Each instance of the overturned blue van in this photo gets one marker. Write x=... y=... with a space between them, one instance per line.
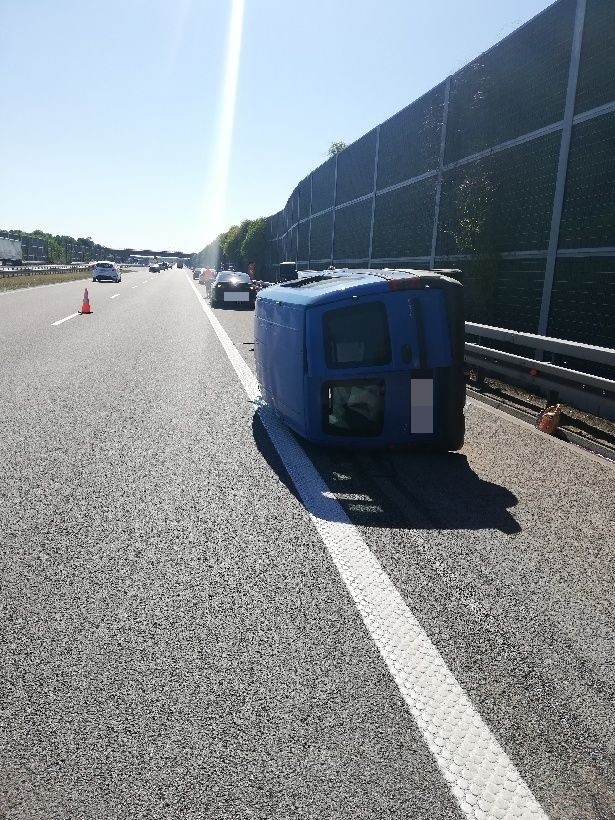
x=370 y=358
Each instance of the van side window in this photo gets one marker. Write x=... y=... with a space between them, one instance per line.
x=357 y=336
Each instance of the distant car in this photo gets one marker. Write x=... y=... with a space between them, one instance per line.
x=154 y=268
x=196 y=273
x=164 y=266
x=233 y=288
x=106 y=272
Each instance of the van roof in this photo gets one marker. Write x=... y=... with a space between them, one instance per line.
x=333 y=285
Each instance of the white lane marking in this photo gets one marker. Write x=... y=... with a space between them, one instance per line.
x=480 y=774
x=65 y=319
x=115 y=295
x=134 y=286
x=145 y=281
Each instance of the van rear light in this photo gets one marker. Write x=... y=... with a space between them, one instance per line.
x=407 y=283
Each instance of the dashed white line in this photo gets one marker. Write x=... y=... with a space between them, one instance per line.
x=115 y=295
x=481 y=776
x=134 y=286
x=65 y=319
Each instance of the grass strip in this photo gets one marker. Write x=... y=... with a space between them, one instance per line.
x=17 y=282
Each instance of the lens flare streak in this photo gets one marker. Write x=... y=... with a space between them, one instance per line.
x=221 y=160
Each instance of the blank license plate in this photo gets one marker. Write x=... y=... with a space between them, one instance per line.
x=236 y=297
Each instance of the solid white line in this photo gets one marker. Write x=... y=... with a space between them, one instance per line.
x=480 y=774
x=115 y=295
x=65 y=319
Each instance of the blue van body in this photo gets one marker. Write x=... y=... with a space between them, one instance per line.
x=368 y=358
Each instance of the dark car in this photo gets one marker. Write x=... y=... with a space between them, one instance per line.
x=233 y=288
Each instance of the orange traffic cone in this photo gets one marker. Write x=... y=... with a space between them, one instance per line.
x=85 y=307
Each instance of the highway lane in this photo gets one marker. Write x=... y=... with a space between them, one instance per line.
x=46 y=304
x=180 y=644
x=510 y=544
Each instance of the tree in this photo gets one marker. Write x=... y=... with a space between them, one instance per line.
x=231 y=243
x=336 y=148
x=254 y=246
x=474 y=233
x=238 y=246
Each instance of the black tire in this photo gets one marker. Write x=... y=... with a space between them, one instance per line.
x=454 y=437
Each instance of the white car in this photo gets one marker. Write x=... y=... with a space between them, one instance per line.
x=106 y=272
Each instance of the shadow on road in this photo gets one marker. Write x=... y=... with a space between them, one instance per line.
x=403 y=490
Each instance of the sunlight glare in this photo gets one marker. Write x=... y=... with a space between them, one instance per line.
x=215 y=207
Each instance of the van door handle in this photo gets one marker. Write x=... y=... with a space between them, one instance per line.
x=406 y=354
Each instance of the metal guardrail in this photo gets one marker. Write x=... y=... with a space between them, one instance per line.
x=587 y=391
x=30 y=270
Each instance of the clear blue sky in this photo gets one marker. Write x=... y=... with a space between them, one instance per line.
x=114 y=123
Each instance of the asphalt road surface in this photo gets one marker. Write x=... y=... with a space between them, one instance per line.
x=203 y=619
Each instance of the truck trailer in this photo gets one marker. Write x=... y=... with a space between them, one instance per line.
x=10 y=251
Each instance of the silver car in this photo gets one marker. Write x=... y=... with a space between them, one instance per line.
x=106 y=272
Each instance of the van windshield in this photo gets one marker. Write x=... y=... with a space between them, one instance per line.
x=357 y=336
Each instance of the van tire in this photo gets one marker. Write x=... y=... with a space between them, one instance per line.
x=454 y=438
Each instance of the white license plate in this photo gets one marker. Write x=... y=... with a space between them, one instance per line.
x=421 y=406
x=236 y=297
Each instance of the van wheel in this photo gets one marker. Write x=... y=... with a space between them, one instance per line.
x=454 y=438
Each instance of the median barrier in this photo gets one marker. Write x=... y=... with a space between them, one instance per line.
x=7 y=270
